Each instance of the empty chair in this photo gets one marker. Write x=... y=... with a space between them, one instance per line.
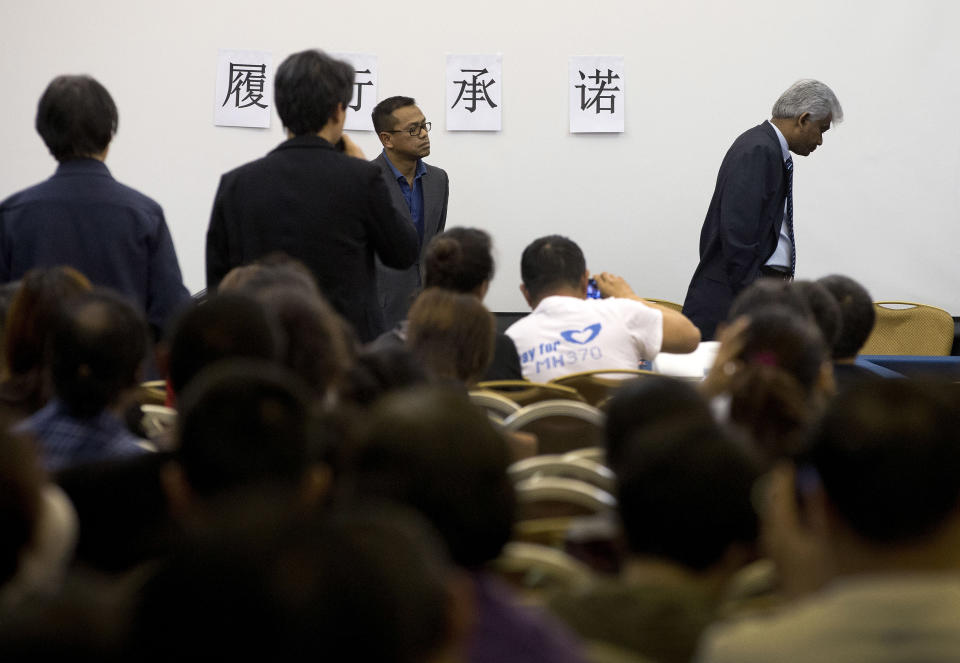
x=493 y=403
x=560 y=426
x=597 y=454
x=558 y=497
x=597 y=386
x=555 y=465
x=906 y=328
x=524 y=392
x=665 y=302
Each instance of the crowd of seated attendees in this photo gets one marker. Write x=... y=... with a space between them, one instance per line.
x=315 y=491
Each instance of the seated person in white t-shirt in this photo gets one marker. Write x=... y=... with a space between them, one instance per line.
x=568 y=333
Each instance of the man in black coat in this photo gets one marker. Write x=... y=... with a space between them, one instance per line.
x=312 y=199
x=748 y=230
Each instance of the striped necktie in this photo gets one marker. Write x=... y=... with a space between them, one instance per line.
x=788 y=164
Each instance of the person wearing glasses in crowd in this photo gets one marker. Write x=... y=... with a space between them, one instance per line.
x=418 y=190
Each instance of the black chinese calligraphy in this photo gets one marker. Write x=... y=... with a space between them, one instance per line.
x=474 y=90
x=247 y=80
x=604 y=84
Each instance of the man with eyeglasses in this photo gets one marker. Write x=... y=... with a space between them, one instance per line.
x=418 y=190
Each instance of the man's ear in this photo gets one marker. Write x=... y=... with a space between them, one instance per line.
x=584 y=281
x=386 y=138
x=526 y=295
x=803 y=119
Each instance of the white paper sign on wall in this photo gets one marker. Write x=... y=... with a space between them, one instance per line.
x=244 y=88
x=364 y=90
x=474 y=92
x=597 y=94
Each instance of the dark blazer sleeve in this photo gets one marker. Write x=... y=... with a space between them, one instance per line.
x=393 y=239
x=218 y=248
x=748 y=211
x=165 y=290
x=446 y=196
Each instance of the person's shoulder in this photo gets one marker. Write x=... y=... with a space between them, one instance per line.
x=129 y=196
x=435 y=170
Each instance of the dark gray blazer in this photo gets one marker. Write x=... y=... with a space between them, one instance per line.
x=398 y=287
x=742 y=226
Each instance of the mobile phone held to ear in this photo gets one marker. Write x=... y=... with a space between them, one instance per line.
x=593 y=292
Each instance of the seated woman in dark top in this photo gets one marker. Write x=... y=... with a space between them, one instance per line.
x=460 y=259
x=25 y=387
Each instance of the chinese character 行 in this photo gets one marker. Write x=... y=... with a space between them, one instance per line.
x=360 y=89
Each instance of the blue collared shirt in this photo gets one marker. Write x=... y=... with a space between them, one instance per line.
x=414 y=196
x=781 y=255
x=65 y=440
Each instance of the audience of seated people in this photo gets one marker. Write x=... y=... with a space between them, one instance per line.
x=461 y=259
x=274 y=522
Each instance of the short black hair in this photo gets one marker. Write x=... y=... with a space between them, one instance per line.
x=549 y=262
x=76 y=117
x=888 y=454
x=768 y=292
x=647 y=402
x=363 y=585
x=459 y=259
x=857 y=314
x=684 y=491
x=823 y=308
x=244 y=423
x=97 y=346
x=308 y=87
x=433 y=450
x=382 y=112
x=228 y=325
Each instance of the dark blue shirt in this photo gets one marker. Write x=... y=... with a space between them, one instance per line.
x=84 y=218
x=414 y=196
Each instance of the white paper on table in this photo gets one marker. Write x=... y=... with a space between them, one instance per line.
x=364 y=90
x=597 y=92
x=474 y=92
x=244 y=88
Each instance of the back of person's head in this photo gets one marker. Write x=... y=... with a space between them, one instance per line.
x=244 y=423
x=224 y=326
x=551 y=262
x=362 y=585
x=97 y=348
x=888 y=455
x=459 y=259
x=808 y=96
x=381 y=371
x=823 y=308
x=763 y=293
x=76 y=117
x=316 y=346
x=382 y=114
x=452 y=334
x=275 y=269
x=308 y=87
x=857 y=314
x=431 y=449
x=683 y=491
x=32 y=312
x=647 y=402
x=779 y=384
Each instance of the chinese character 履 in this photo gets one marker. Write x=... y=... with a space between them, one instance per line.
x=249 y=79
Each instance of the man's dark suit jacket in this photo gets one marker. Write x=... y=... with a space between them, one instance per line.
x=398 y=287
x=742 y=226
x=84 y=218
x=318 y=205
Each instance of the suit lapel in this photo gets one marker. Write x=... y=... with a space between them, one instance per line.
x=432 y=201
x=396 y=197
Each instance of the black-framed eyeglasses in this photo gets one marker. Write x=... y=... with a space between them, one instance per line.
x=414 y=130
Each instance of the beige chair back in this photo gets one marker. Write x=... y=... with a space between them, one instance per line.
x=906 y=328
x=524 y=392
x=598 y=386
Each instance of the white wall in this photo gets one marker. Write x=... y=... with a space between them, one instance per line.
x=879 y=201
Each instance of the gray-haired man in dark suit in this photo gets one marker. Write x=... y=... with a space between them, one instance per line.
x=419 y=193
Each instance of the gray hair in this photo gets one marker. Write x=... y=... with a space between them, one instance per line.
x=808 y=96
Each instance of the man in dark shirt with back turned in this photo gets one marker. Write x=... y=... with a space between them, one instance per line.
x=84 y=218
x=310 y=200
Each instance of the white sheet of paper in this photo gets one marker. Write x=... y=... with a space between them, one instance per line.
x=244 y=88
x=474 y=92
x=597 y=93
x=364 y=90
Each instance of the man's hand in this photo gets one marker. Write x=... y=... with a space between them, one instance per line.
x=611 y=285
x=351 y=149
